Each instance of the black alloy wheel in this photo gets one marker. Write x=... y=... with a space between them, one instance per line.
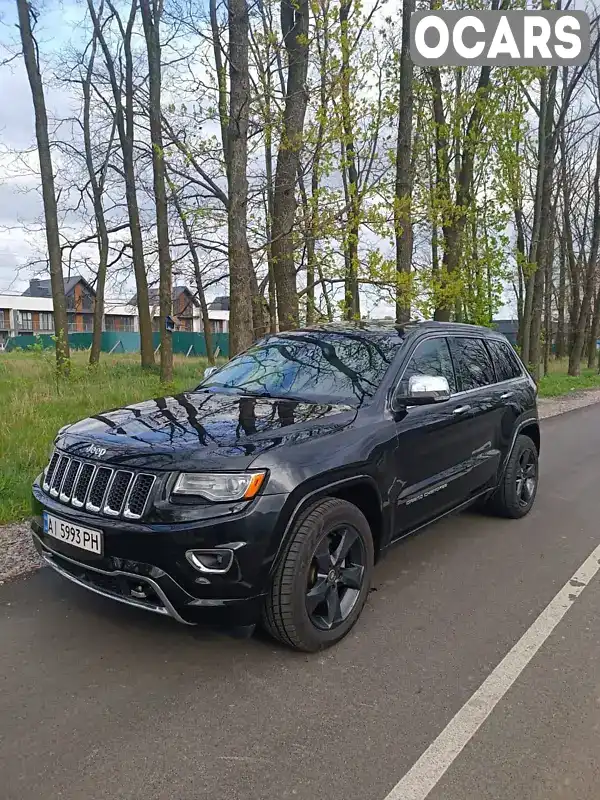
x=335 y=577
x=322 y=578
x=526 y=477
x=518 y=485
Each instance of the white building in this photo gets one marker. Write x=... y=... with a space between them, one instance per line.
x=31 y=313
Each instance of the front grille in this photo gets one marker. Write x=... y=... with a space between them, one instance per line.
x=100 y=489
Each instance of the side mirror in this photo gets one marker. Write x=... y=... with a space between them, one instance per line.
x=209 y=371
x=421 y=390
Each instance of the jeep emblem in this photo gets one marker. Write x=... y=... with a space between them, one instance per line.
x=93 y=450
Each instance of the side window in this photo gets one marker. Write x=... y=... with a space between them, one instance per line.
x=432 y=357
x=472 y=363
x=506 y=364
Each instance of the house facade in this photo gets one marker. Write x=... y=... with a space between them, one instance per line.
x=32 y=312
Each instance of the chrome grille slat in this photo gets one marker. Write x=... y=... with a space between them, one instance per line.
x=50 y=470
x=117 y=492
x=82 y=486
x=58 y=476
x=97 y=488
x=142 y=485
x=71 y=475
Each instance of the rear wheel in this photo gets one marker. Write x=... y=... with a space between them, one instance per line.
x=515 y=495
x=320 y=585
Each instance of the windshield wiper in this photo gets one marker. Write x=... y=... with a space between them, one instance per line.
x=255 y=392
x=236 y=388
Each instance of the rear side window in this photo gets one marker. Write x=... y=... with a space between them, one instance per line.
x=432 y=357
x=472 y=363
x=505 y=362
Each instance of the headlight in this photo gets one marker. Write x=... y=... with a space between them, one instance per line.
x=220 y=486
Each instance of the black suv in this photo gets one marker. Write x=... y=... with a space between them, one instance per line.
x=268 y=492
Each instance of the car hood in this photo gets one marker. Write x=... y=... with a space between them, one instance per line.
x=196 y=430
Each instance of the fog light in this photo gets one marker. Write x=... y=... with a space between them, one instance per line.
x=214 y=561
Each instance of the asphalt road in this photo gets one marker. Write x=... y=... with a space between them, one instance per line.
x=101 y=701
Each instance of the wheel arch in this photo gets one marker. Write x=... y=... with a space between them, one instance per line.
x=528 y=427
x=360 y=490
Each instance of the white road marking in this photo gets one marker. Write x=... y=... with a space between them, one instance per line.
x=431 y=766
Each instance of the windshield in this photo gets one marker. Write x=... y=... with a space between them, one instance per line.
x=317 y=367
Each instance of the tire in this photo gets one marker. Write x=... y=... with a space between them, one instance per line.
x=514 y=497
x=306 y=568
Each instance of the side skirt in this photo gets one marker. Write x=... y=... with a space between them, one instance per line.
x=455 y=510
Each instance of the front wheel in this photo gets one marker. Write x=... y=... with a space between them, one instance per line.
x=515 y=495
x=320 y=585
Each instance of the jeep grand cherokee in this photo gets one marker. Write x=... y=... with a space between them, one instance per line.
x=268 y=491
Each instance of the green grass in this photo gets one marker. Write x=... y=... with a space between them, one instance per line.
x=33 y=406
x=557 y=382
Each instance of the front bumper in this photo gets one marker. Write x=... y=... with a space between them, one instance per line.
x=145 y=566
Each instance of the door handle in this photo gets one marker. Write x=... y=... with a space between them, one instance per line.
x=506 y=395
x=461 y=409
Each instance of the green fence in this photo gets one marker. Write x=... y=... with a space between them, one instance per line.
x=192 y=344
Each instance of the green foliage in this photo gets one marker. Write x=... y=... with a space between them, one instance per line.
x=557 y=382
x=35 y=405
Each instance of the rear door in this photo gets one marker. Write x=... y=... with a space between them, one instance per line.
x=480 y=409
x=513 y=393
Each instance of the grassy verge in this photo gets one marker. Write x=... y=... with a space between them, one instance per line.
x=557 y=382
x=33 y=406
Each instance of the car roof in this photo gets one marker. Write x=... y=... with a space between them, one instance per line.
x=375 y=327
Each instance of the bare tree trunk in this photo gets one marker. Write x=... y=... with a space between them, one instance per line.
x=594 y=331
x=309 y=239
x=241 y=318
x=221 y=80
x=533 y=265
x=270 y=203
x=561 y=302
x=590 y=279
x=521 y=258
x=30 y=56
x=294 y=25
x=269 y=124
x=542 y=218
x=198 y=276
x=548 y=312
x=151 y=13
x=349 y=166
x=96 y=178
x=568 y=243
x=234 y=127
x=404 y=176
x=126 y=128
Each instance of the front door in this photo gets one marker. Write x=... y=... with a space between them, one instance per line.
x=445 y=451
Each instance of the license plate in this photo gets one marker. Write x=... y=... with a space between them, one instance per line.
x=84 y=538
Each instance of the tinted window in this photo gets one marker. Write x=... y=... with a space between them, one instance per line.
x=340 y=367
x=505 y=362
x=432 y=357
x=472 y=363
